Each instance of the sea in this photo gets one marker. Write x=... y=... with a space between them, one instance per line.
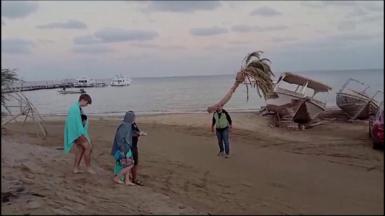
x=188 y=94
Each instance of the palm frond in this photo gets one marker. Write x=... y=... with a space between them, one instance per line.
x=258 y=69
x=256 y=54
x=8 y=76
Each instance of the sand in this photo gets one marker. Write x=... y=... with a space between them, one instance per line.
x=328 y=169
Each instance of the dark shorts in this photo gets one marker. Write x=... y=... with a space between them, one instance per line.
x=81 y=139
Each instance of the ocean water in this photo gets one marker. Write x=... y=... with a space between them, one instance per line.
x=186 y=94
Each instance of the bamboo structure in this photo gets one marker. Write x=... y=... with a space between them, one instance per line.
x=25 y=108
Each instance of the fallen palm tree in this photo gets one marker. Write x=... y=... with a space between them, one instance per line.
x=300 y=106
x=255 y=72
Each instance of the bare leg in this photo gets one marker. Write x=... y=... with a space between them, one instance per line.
x=123 y=172
x=82 y=150
x=85 y=163
x=134 y=172
x=78 y=151
x=127 y=179
x=87 y=156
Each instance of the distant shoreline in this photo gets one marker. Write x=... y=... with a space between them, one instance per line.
x=162 y=113
x=277 y=72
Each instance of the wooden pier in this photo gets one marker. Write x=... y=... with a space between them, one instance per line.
x=50 y=84
x=31 y=87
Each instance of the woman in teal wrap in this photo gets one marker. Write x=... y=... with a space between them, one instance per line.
x=76 y=138
x=121 y=149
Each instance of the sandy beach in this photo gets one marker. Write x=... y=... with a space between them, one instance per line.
x=329 y=169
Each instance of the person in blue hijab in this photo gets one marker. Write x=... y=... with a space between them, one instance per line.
x=121 y=150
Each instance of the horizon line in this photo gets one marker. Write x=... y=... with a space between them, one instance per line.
x=208 y=75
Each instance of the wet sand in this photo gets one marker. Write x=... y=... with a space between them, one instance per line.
x=324 y=170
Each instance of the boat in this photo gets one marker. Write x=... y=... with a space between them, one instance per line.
x=297 y=98
x=99 y=84
x=354 y=100
x=64 y=91
x=120 y=80
x=84 y=82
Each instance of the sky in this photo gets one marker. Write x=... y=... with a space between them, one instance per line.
x=46 y=40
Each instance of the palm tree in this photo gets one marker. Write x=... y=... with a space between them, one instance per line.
x=7 y=78
x=258 y=73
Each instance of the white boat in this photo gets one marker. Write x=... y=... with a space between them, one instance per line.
x=64 y=91
x=121 y=80
x=84 y=82
x=355 y=101
x=297 y=98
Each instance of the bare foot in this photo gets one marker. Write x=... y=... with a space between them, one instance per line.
x=76 y=171
x=129 y=183
x=117 y=180
x=91 y=171
x=220 y=154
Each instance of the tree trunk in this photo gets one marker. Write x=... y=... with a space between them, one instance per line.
x=225 y=99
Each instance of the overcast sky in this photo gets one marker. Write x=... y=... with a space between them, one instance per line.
x=68 y=39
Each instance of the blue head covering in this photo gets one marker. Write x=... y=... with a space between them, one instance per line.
x=123 y=136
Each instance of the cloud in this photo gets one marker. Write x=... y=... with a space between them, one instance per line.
x=316 y=56
x=70 y=24
x=18 y=9
x=315 y=4
x=88 y=39
x=16 y=46
x=357 y=12
x=183 y=6
x=339 y=3
x=334 y=42
x=92 y=49
x=152 y=46
x=265 y=11
x=372 y=19
x=321 y=4
x=365 y=13
x=45 y=41
x=208 y=31
x=111 y=35
x=248 y=28
x=119 y=35
x=243 y=28
x=346 y=25
x=283 y=39
x=376 y=6
x=144 y=45
x=238 y=42
x=353 y=37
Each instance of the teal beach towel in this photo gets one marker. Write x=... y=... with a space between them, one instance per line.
x=73 y=128
x=118 y=166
